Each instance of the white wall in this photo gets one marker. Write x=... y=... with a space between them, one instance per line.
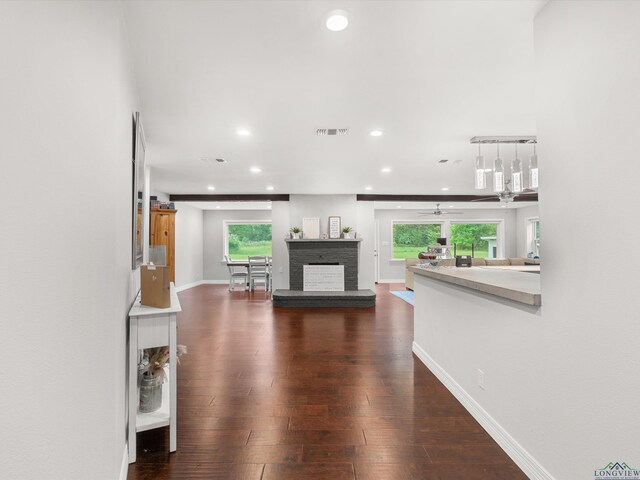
x=394 y=269
x=280 y=227
x=324 y=206
x=523 y=220
x=214 y=266
x=66 y=100
x=189 y=253
x=358 y=215
x=366 y=226
x=586 y=348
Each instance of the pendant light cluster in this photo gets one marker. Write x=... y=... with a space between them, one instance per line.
x=506 y=176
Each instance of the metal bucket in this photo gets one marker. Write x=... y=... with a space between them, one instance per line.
x=150 y=393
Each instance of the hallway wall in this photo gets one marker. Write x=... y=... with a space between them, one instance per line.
x=67 y=95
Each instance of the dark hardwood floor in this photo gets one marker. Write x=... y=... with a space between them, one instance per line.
x=331 y=394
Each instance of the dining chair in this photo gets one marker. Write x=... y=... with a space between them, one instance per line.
x=235 y=274
x=258 y=272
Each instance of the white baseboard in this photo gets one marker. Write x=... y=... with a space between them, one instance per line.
x=124 y=466
x=392 y=280
x=201 y=282
x=529 y=465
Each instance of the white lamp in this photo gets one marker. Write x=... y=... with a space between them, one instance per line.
x=481 y=175
x=498 y=173
x=533 y=169
x=516 y=174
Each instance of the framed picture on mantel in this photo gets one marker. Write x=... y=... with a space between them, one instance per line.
x=311 y=228
x=334 y=227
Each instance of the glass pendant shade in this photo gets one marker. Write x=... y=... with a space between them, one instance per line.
x=516 y=176
x=533 y=171
x=498 y=175
x=481 y=175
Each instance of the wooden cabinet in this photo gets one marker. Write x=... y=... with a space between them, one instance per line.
x=163 y=232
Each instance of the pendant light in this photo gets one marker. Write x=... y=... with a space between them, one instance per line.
x=533 y=169
x=516 y=174
x=481 y=175
x=498 y=172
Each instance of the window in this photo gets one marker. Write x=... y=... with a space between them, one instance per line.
x=483 y=237
x=243 y=239
x=534 y=237
x=409 y=239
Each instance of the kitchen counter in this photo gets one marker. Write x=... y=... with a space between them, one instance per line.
x=518 y=286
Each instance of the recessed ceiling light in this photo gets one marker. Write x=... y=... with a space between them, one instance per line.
x=399 y=206
x=255 y=169
x=217 y=206
x=385 y=170
x=270 y=187
x=503 y=206
x=451 y=206
x=368 y=188
x=445 y=189
x=375 y=133
x=244 y=132
x=337 y=21
x=211 y=187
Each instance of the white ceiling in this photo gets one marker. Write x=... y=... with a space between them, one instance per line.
x=430 y=74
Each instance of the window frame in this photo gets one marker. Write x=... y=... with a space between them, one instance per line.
x=532 y=245
x=412 y=222
x=225 y=233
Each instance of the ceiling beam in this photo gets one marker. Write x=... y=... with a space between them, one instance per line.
x=280 y=197
x=440 y=198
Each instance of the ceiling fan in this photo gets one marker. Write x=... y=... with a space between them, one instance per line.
x=438 y=213
x=507 y=195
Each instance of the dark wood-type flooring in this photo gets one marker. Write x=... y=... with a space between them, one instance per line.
x=276 y=394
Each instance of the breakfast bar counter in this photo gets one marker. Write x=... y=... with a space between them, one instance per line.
x=522 y=286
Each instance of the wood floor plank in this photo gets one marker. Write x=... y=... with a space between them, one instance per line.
x=333 y=471
x=311 y=394
x=303 y=437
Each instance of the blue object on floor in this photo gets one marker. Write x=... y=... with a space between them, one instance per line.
x=406 y=295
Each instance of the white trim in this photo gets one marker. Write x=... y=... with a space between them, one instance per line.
x=391 y=280
x=188 y=286
x=182 y=288
x=529 y=465
x=225 y=231
x=124 y=466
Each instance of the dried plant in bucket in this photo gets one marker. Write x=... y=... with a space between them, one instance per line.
x=152 y=370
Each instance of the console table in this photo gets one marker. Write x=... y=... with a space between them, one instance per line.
x=153 y=327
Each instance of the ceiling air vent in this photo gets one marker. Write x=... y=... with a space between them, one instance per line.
x=332 y=131
x=221 y=160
